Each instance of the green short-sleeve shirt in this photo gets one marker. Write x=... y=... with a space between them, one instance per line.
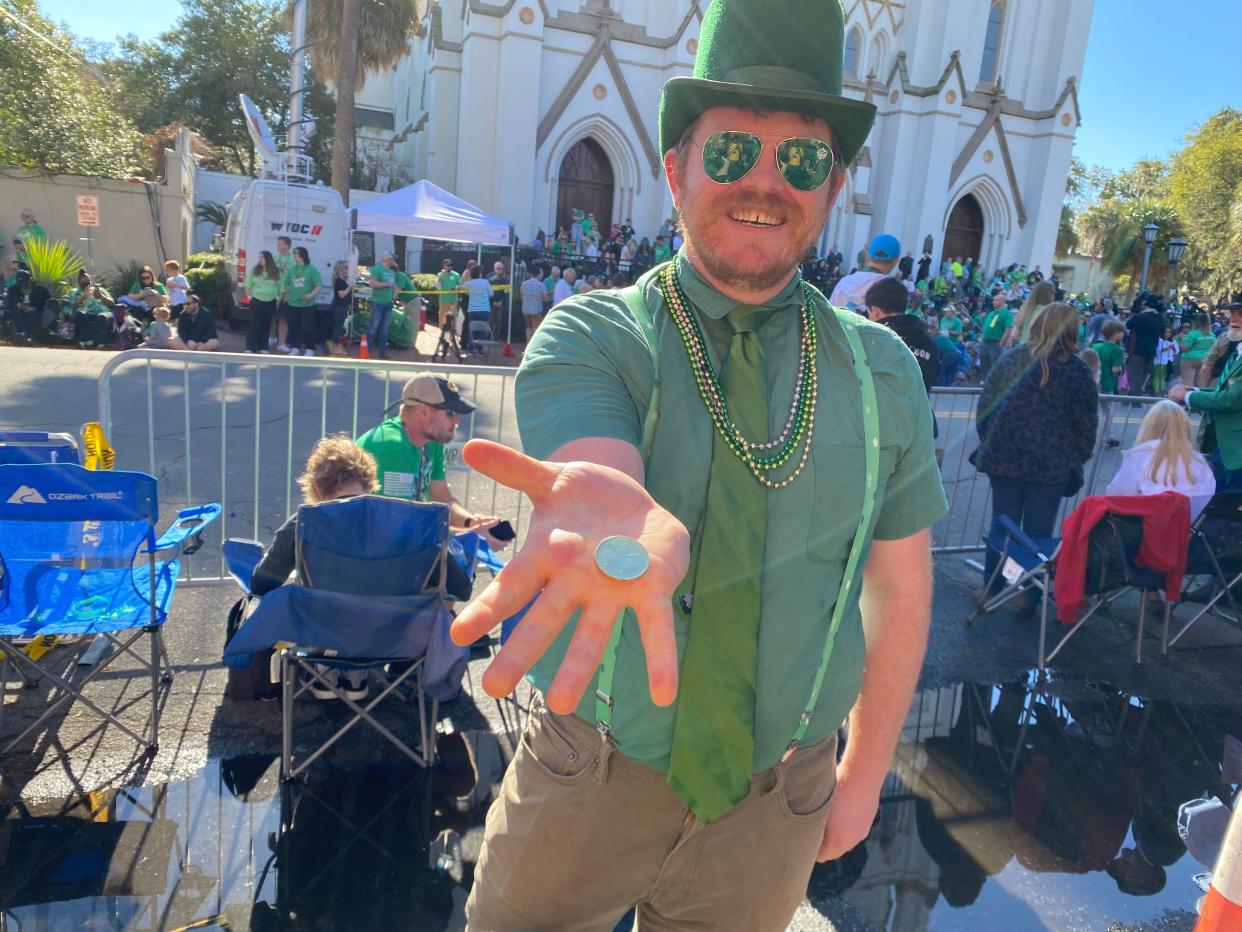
x=299 y=282
x=952 y=327
x=262 y=287
x=382 y=294
x=1112 y=358
x=450 y=281
x=404 y=470
x=588 y=373
x=996 y=323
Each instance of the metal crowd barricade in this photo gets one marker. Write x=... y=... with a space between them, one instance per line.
x=237 y=429
x=969 y=494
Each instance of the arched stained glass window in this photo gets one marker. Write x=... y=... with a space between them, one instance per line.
x=991 y=42
x=853 y=46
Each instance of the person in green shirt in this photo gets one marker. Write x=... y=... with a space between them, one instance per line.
x=29 y=230
x=734 y=568
x=90 y=308
x=284 y=262
x=10 y=273
x=382 y=281
x=1195 y=347
x=146 y=294
x=662 y=250
x=448 y=281
x=951 y=326
x=301 y=285
x=1112 y=357
x=263 y=287
x=997 y=332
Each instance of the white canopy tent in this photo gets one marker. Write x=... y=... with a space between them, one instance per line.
x=426 y=211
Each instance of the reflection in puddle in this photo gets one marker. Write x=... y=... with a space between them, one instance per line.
x=1016 y=806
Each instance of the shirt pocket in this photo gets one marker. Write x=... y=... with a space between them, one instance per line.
x=840 y=483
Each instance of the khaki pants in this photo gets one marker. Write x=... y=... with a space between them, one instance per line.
x=581 y=833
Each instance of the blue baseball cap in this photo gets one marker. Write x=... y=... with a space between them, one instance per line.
x=885 y=248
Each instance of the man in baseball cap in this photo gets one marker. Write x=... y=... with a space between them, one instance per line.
x=883 y=254
x=409 y=445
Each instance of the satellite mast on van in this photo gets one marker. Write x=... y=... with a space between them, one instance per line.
x=260 y=133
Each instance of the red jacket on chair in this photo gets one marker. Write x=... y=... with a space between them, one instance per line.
x=1166 y=539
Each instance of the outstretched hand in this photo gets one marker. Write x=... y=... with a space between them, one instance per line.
x=576 y=505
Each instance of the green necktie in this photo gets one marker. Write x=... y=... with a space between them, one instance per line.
x=713 y=734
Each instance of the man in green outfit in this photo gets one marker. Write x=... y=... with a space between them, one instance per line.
x=727 y=561
x=408 y=448
x=997 y=333
x=28 y=231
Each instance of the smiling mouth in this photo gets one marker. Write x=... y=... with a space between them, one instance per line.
x=756 y=219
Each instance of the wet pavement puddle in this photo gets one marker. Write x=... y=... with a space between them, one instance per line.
x=1024 y=805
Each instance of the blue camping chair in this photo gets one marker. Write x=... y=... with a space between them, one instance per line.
x=370 y=592
x=36 y=446
x=72 y=549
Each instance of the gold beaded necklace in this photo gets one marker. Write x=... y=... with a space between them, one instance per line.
x=762 y=458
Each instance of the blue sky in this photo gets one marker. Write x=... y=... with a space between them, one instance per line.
x=1154 y=70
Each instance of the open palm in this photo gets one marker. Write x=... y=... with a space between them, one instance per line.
x=576 y=505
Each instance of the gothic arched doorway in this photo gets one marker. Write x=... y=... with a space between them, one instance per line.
x=585 y=184
x=964 y=234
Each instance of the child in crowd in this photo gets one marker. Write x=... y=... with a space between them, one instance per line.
x=125 y=329
x=1112 y=358
x=159 y=334
x=1166 y=356
x=177 y=285
x=1092 y=359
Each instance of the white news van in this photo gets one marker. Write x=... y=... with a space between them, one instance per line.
x=283 y=202
x=312 y=216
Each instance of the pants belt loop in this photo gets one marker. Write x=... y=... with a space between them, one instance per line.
x=605 y=754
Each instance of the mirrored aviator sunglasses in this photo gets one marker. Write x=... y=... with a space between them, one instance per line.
x=804 y=161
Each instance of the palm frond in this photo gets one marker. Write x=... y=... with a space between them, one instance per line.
x=54 y=264
x=384 y=33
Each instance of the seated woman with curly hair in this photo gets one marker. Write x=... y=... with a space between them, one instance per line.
x=336 y=469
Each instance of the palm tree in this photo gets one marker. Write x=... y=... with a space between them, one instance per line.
x=213 y=212
x=349 y=38
x=1113 y=230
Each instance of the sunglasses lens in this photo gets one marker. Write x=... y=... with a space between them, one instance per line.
x=727 y=157
x=804 y=162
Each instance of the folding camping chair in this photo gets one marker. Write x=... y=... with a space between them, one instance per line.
x=33 y=446
x=1027 y=564
x=370 y=592
x=1215 y=552
x=69 y=542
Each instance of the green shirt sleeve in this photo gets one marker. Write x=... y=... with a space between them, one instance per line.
x=579 y=376
x=435 y=453
x=914 y=496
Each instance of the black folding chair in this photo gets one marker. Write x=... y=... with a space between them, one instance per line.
x=1215 y=552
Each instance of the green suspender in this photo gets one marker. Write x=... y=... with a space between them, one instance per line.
x=608 y=665
x=871 y=433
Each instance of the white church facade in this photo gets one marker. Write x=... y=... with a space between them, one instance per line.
x=529 y=108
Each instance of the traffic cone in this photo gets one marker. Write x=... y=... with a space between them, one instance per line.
x=1222 y=908
x=363 y=352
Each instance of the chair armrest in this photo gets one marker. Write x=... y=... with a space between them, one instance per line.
x=189 y=524
x=241 y=556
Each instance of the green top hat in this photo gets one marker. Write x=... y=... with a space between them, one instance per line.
x=770 y=55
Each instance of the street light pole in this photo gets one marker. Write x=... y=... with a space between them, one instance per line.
x=1149 y=237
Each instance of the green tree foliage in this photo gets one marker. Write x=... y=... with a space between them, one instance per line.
x=194 y=72
x=56 y=114
x=1205 y=187
x=1112 y=228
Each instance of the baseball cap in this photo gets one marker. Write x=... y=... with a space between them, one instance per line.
x=427 y=389
x=885 y=247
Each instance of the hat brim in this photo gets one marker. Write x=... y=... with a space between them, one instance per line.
x=685 y=99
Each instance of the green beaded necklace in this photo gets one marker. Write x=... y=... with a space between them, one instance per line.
x=766 y=457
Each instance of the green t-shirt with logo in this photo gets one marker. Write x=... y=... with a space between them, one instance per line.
x=284 y=261
x=449 y=281
x=403 y=469
x=382 y=294
x=298 y=283
x=996 y=323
